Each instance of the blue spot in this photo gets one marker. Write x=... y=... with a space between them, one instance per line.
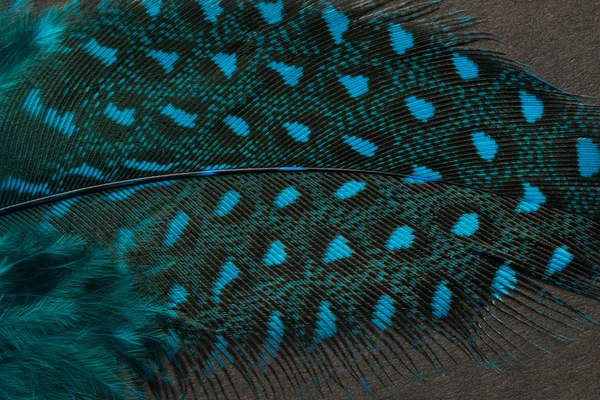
x=297 y=131
x=229 y=272
x=272 y=13
x=166 y=60
x=106 y=55
x=560 y=259
x=355 y=85
x=422 y=110
x=227 y=203
x=152 y=7
x=588 y=155
x=237 y=125
x=532 y=199
x=337 y=23
x=338 y=249
x=275 y=255
x=123 y=117
x=178 y=294
x=402 y=40
x=211 y=9
x=349 y=189
x=361 y=146
x=21 y=187
x=150 y=166
x=383 y=313
x=286 y=197
x=60 y=209
x=274 y=335
x=124 y=241
x=291 y=74
x=401 y=238
x=422 y=175
x=180 y=117
x=325 y=322
x=87 y=171
x=33 y=103
x=62 y=123
x=226 y=63
x=531 y=106
x=441 y=301
x=504 y=281
x=466 y=68
x=485 y=145
x=467 y=225
x=176 y=228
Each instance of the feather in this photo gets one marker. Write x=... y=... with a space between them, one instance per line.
x=313 y=195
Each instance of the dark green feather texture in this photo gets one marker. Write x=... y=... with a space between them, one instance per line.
x=258 y=198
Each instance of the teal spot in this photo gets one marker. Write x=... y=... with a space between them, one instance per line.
x=422 y=110
x=441 y=301
x=33 y=103
x=124 y=241
x=290 y=74
x=123 y=117
x=275 y=330
x=227 y=203
x=166 y=60
x=355 y=85
x=337 y=23
x=147 y=165
x=465 y=67
x=338 y=249
x=106 y=55
x=176 y=228
x=361 y=146
x=20 y=186
x=588 y=156
x=531 y=106
x=63 y=123
x=152 y=7
x=485 y=145
x=229 y=273
x=467 y=225
x=402 y=40
x=532 y=199
x=349 y=189
x=559 y=260
x=286 y=197
x=227 y=63
x=275 y=255
x=237 y=125
x=422 y=175
x=87 y=171
x=401 y=238
x=211 y=9
x=297 y=131
x=180 y=117
x=505 y=281
x=326 y=327
x=178 y=294
x=272 y=13
x=383 y=312
x=61 y=208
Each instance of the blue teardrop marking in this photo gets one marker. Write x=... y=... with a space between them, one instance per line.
x=297 y=131
x=422 y=110
x=272 y=13
x=178 y=294
x=466 y=225
x=401 y=39
x=588 y=157
x=106 y=55
x=152 y=7
x=290 y=74
x=286 y=197
x=229 y=272
x=349 y=189
x=326 y=326
x=237 y=125
x=179 y=116
x=211 y=9
x=227 y=203
x=165 y=59
x=124 y=117
x=383 y=312
x=465 y=67
x=176 y=227
x=531 y=107
x=485 y=145
x=87 y=171
x=276 y=254
x=422 y=175
x=532 y=199
x=64 y=123
x=560 y=259
x=361 y=146
x=274 y=335
x=441 y=300
x=355 y=85
x=338 y=249
x=505 y=281
x=227 y=63
x=337 y=23
x=401 y=238
x=33 y=103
